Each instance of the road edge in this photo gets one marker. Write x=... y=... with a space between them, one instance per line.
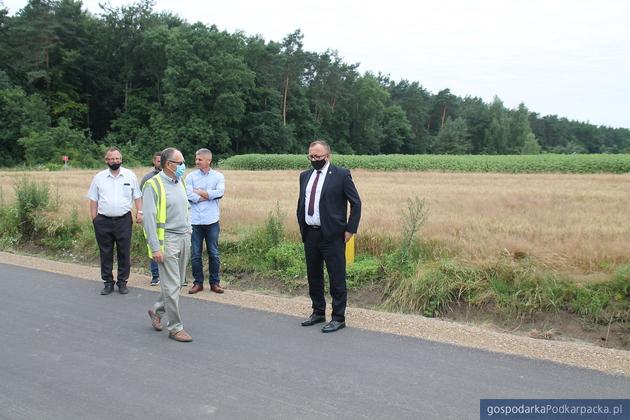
x=582 y=355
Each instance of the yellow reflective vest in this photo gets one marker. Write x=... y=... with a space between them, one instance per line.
x=160 y=216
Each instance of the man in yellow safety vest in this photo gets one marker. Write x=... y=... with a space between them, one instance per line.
x=167 y=230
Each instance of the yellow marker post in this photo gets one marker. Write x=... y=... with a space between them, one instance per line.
x=350 y=251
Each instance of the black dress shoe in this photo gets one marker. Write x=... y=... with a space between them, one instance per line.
x=122 y=289
x=313 y=319
x=333 y=326
x=107 y=290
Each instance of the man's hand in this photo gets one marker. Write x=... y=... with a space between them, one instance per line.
x=158 y=256
x=203 y=194
x=348 y=236
x=139 y=218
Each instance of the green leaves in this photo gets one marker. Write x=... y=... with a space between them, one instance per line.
x=50 y=145
x=448 y=163
x=145 y=80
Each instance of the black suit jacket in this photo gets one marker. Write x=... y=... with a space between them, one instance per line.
x=338 y=190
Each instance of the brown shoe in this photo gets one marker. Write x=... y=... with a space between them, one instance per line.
x=195 y=289
x=181 y=336
x=216 y=288
x=155 y=320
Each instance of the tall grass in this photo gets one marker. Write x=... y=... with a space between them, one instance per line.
x=417 y=276
x=31 y=198
x=576 y=224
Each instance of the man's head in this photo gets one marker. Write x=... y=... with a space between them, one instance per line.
x=203 y=159
x=157 y=158
x=319 y=153
x=113 y=158
x=170 y=160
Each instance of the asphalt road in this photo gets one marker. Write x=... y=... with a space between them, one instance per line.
x=67 y=352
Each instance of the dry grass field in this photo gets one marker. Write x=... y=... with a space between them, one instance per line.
x=572 y=223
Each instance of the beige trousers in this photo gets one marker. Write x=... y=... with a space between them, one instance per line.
x=172 y=276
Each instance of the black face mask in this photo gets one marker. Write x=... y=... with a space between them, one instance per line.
x=114 y=166
x=318 y=164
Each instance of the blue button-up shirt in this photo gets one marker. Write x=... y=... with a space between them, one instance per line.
x=205 y=212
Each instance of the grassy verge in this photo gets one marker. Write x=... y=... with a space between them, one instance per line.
x=411 y=275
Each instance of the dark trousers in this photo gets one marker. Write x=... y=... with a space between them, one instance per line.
x=333 y=253
x=210 y=235
x=155 y=271
x=110 y=231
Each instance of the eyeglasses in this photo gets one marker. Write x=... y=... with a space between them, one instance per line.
x=314 y=158
x=176 y=162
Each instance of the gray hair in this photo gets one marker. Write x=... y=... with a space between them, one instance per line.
x=166 y=155
x=321 y=143
x=204 y=151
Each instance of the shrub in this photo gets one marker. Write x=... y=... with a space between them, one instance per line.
x=31 y=197
x=57 y=233
x=413 y=218
x=49 y=145
x=590 y=302
x=365 y=270
x=287 y=257
x=9 y=232
x=433 y=289
x=274 y=228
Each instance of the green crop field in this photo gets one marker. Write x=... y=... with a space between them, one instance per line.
x=600 y=163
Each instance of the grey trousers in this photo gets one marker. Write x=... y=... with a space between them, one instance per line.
x=172 y=276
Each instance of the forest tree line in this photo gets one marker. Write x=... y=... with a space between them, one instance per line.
x=72 y=82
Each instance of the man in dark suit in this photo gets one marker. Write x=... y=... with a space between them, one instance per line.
x=322 y=208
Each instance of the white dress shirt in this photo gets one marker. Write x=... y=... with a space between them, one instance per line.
x=314 y=219
x=114 y=194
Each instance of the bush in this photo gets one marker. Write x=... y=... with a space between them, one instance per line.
x=9 y=232
x=31 y=197
x=274 y=228
x=604 y=302
x=432 y=290
x=364 y=271
x=287 y=257
x=51 y=144
x=57 y=233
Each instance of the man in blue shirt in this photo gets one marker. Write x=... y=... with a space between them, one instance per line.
x=205 y=187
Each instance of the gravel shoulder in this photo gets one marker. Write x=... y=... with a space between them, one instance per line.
x=578 y=354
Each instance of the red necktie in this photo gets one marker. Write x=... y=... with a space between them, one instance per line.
x=311 y=202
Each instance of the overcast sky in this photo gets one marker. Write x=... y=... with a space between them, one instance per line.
x=564 y=57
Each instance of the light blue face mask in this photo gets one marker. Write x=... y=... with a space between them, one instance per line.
x=180 y=170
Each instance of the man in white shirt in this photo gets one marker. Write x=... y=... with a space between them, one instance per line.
x=112 y=194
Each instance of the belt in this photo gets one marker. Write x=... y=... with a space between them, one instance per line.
x=314 y=227
x=114 y=217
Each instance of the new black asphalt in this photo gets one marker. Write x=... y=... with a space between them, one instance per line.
x=67 y=352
